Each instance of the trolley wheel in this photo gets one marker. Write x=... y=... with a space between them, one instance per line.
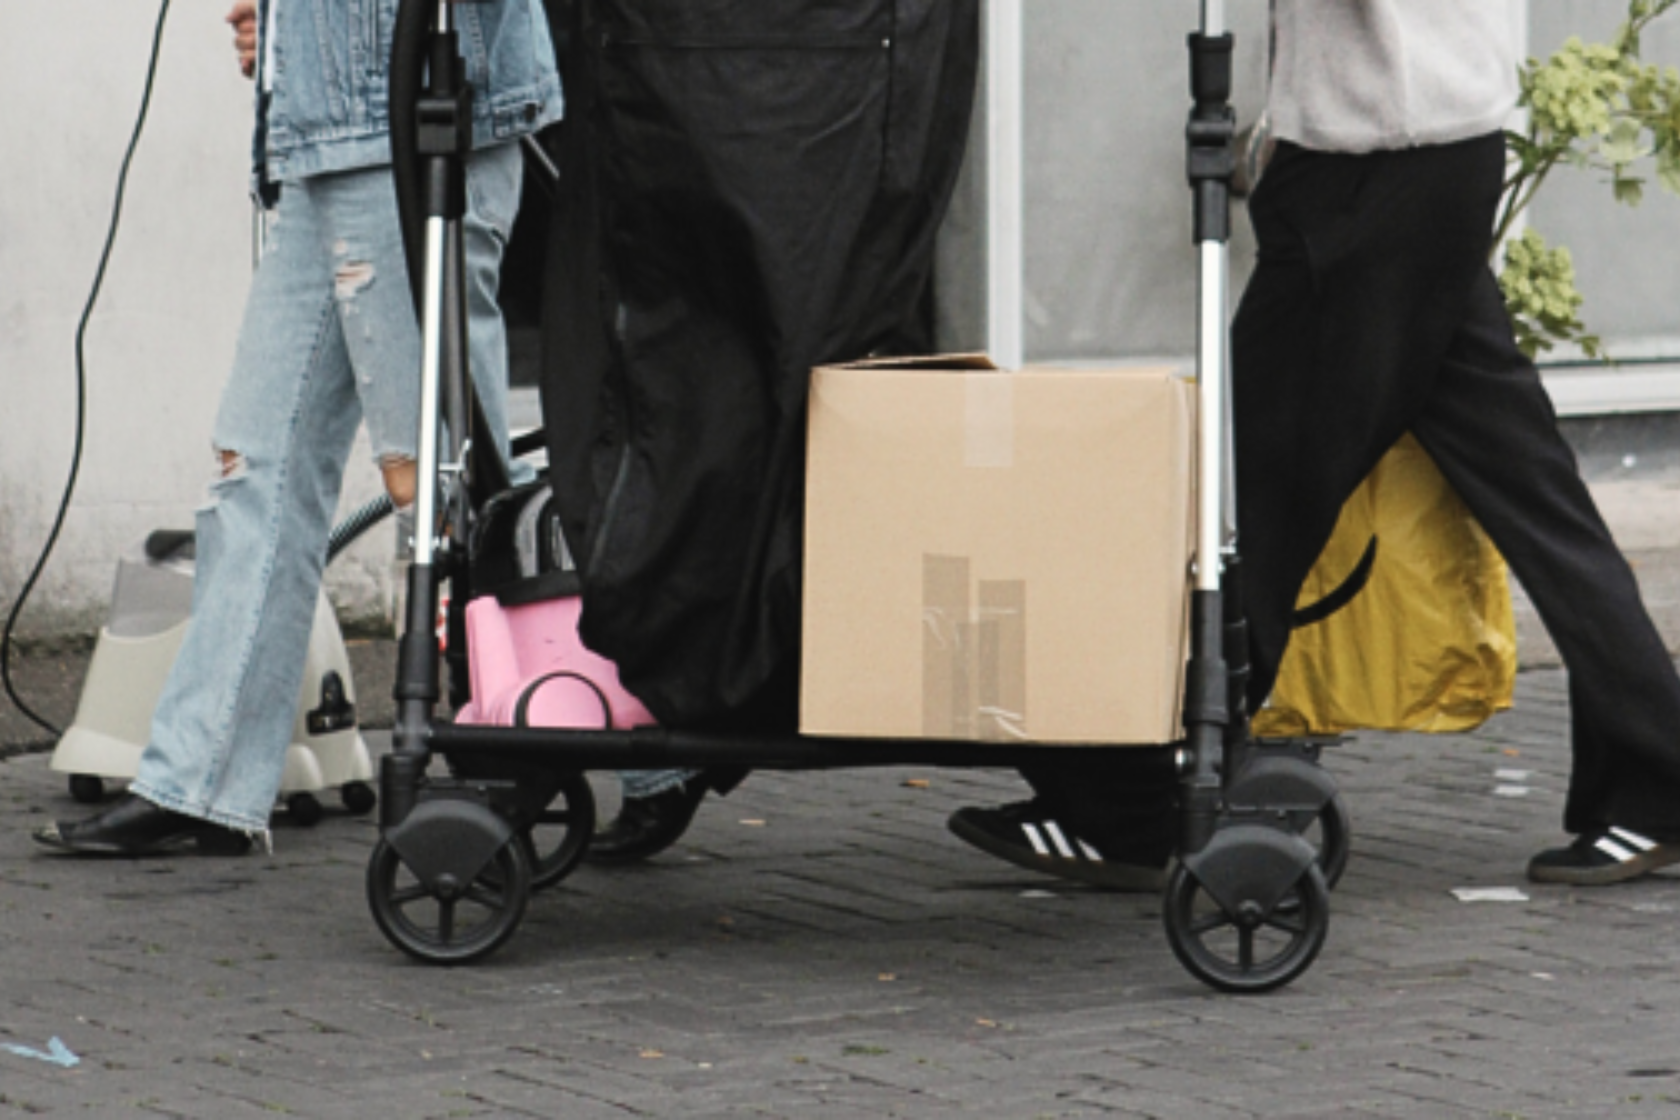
x=305 y=809
x=1248 y=951
x=555 y=844
x=452 y=926
x=358 y=798
x=1330 y=832
x=561 y=833
x=89 y=789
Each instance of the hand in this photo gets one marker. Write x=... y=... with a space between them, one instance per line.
x=243 y=18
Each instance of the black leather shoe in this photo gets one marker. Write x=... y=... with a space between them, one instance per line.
x=646 y=826
x=133 y=826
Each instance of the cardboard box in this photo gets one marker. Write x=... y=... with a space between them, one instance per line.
x=997 y=556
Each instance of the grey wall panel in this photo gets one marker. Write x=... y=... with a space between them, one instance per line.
x=1109 y=264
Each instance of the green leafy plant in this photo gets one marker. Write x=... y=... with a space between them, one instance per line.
x=1595 y=106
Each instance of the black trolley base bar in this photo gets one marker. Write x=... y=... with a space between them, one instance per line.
x=655 y=748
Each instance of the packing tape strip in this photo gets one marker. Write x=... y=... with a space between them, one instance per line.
x=989 y=420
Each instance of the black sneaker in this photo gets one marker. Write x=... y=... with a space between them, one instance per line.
x=1028 y=835
x=646 y=826
x=1597 y=859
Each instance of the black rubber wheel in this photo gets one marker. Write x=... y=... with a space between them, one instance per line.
x=305 y=809
x=555 y=844
x=358 y=798
x=455 y=929
x=1330 y=832
x=561 y=833
x=1246 y=952
x=89 y=789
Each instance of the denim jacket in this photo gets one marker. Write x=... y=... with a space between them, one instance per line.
x=328 y=107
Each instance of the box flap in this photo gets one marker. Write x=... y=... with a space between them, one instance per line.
x=975 y=361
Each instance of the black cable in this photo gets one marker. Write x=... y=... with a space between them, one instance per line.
x=81 y=384
x=361 y=519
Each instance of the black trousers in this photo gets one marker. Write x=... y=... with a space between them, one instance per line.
x=1372 y=312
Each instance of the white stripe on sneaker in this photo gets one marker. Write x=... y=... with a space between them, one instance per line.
x=1633 y=838
x=1612 y=849
x=1036 y=840
x=1090 y=852
x=1059 y=840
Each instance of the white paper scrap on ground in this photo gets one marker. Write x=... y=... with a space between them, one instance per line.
x=1510 y=791
x=1512 y=775
x=1489 y=894
x=56 y=1052
x=1040 y=894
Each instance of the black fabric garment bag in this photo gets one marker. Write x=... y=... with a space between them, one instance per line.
x=748 y=189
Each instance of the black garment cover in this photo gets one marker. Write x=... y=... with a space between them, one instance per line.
x=748 y=190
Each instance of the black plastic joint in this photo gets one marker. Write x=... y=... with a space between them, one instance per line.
x=1211 y=152
x=1210 y=67
x=445 y=123
x=400 y=777
x=1206 y=693
x=417 y=675
x=417 y=652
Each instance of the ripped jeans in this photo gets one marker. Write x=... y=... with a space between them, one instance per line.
x=329 y=339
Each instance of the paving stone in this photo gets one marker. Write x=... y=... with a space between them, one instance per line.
x=741 y=974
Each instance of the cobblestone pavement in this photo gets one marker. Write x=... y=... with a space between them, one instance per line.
x=819 y=947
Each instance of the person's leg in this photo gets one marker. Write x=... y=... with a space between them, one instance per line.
x=287 y=417
x=1110 y=822
x=1491 y=429
x=494 y=178
x=639 y=785
x=1366 y=264
x=1365 y=272
x=656 y=810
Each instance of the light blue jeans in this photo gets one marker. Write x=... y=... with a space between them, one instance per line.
x=329 y=339
x=647 y=783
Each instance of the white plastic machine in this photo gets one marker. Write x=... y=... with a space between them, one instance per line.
x=150 y=607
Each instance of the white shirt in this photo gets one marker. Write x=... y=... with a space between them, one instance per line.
x=1364 y=75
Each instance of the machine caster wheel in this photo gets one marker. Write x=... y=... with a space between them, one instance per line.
x=1329 y=831
x=304 y=809
x=89 y=789
x=1249 y=951
x=358 y=798
x=453 y=924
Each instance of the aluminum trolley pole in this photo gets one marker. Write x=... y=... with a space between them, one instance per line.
x=445 y=137
x=1208 y=699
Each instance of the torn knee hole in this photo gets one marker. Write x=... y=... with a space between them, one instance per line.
x=231 y=464
x=352 y=277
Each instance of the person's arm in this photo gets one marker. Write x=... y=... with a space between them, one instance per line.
x=243 y=19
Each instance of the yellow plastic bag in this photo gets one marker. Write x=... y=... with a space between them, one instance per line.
x=1429 y=644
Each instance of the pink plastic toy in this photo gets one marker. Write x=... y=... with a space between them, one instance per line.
x=528 y=668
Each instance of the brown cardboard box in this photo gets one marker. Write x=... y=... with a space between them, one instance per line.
x=997 y=556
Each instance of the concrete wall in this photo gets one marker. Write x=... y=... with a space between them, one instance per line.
x=158 y=347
